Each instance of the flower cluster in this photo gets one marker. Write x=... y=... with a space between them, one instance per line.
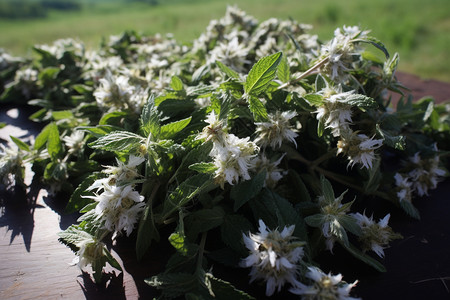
x=420 y=175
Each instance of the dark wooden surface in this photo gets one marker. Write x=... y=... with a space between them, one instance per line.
x=34 y=265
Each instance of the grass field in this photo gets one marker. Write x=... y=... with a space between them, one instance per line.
x=419 y=30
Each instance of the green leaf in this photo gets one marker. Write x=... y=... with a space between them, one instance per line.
x=168 y=131
x=395 y=141
x=111 y=260
x=315 y=220
x=231 y=231
x=206 y=219
x=146 y=233
x=150 y=118
x=350 y=224
x=284 y=73
x=185 y=192
x=42 y=138
x=113 y=118
x=176 y=83
x=276 y=211
x=327 y=190
x=61 y=115
x=54 y=146
x=374 y=41
x=361 y=101
x=77 y=201
x=99 y=130
x=224 y=290
x=229 y=72
x=2 y=125
x=320 y=83
x=314 y=99
x=178 y=241
x=242 y=192
x=118 y=141
x=203 y=167
x=365 y=258
x=261 y=74
x=258 y=109
x=22 y=145
x=410 y=209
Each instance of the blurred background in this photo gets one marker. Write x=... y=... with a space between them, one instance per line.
x=419 y=30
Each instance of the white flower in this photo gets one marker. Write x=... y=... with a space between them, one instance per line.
x=324 y=286
x=89 y=252
x=75 y=141
x=404 y=187
x=273 y=173
x=335 y=113
x=375 y=236
x=231 y=53
x=118 y=207
x=114 y=92
x=124 y=172
x=215 y=130
x=276 y=130
x=426 y=173
x=11 y=165
x=232 y=159
x=359 y=148
x=273 y=257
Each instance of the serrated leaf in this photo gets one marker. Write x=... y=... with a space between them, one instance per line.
x=365 y=258
x=62 y=114
x=327 y=190
x=361 y=101
x=146 y=233
x=315 y=220
x=22 y=145
x=258 y=109
x=231 y=231
x=112 y=118
x=54 y=146
x=283 y=71
x=224 y=290
x=374 y=41
x=229 y=72
x=395 y=141
x=410 y=209
x=77 y=201
x=185 y=192
x=206 y=219
x=150 y=123
x=314 y=99
x=242 y=192
x=118 y=141
x=320 y=83
x=178 y=241
x=350 y=224
x=168 y=131
x=203 y=167
x=176 y=84
x=261 y=74
x=42 y=138
x=99 y=130
x=276 y=211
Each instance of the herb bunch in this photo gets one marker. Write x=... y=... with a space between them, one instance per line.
x=237 y=144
